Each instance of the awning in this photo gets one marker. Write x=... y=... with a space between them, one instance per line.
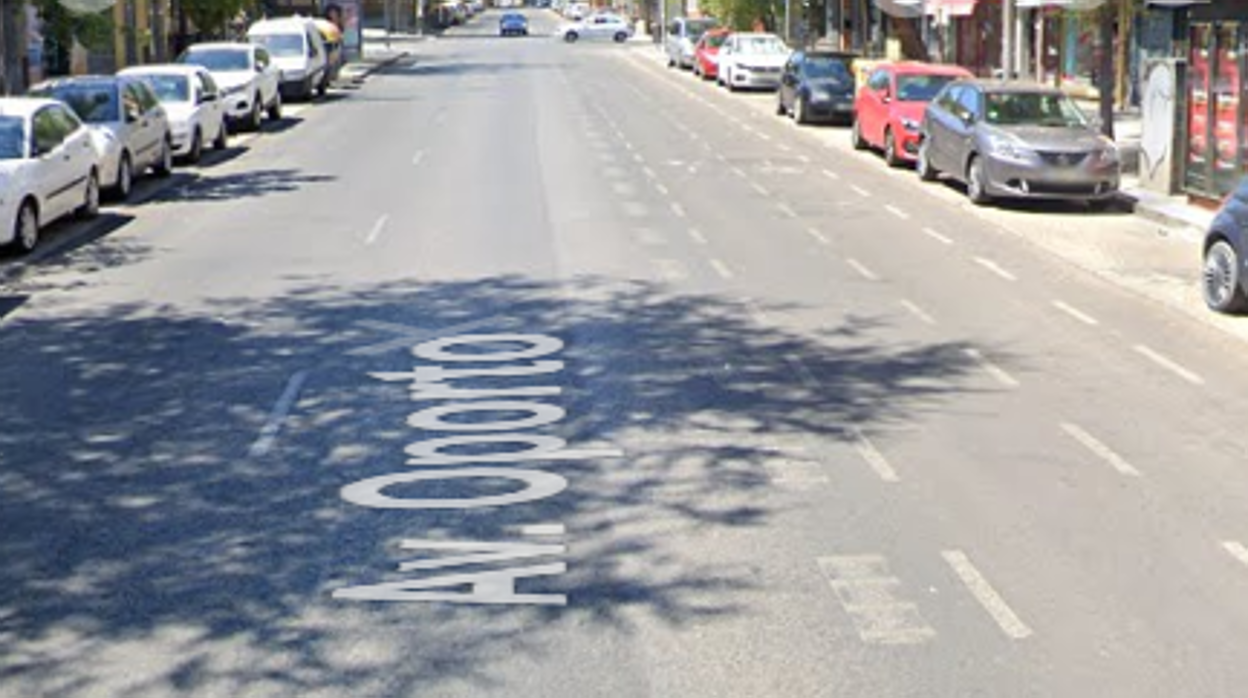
x=1064 y=4
x=913 y=8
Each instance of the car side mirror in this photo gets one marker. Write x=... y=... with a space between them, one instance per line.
x=38 y=149
x=205 y=97
x=131 y=115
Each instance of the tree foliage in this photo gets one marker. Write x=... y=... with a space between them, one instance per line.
x=742 y=14
x=212 y=15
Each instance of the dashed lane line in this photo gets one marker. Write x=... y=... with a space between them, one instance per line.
x=786 y=210
x=860 y=191
x=678 y=210
x=831 y=175
x=937 y=236
x=1099 y=449
x=1170 y=364
x=995 y=268
x=1236 y=550
x=697 y=236
x=418 y=157
x=897 y=212
x=1006 y=619
x=918 y=312
x=818 y=236
x=998 y=373
x=874 y=457
x=375 y=231
x=1076 y=313
x=762 y=191
x=721 y=269
x=862 y=269
x=277 y=417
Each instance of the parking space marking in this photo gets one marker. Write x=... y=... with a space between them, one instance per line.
x=995 y=268
x=671 y=270
x=918 y=312
x=1170 y=364
x=937 y=236
x=862 y=269
x=1099 y=449
x=897 y=212
x=375 y=231
x=721 y=269
x=804 y=159
x=860 y=191
x=277 y=416
x=818 y=236
x=1006 y=619
x=1236 y=550
x=739 y=172
x=650 y=172
x=991 y=368
x=1076 y=313
x=874 y=457
x=762 y=135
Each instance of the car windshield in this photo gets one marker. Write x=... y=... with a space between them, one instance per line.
x=281 y=44
x=170 y=88
x=12 y=137
x=512 y=17
x=94 y=104
x=715 y=40
x=697 y=27
x=764 y=45
x=826 y=68
x=920 y=88
x=1033 y=109
x=219 y=59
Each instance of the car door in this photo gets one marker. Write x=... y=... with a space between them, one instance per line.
x=54 y=178
x=970 y=111
x=789 y=79
x=267 y=75
x=212 y=106
x=941 y=113
x=727 y=56
x=77 y=145
x=874 y=106
x=142 y=131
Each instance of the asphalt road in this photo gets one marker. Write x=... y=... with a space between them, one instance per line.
x=525 y=370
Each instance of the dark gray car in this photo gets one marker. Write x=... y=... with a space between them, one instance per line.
x=1225 y=278
x=1016 y=140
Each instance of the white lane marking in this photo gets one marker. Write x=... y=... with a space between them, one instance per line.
x=804 y=159
x=650 y=172
x=671 y=269
x=375 y=231
x=543 y=530
x=1237 y=550
x=814 y=233
x=786 y=210
x=995 y=268
x=937 y=236
x=785 y=148
x=988 y=597
x=721 y=157
x=635 y=209
x=629 y=146
x=831 y=175
x=897 y=212
x=721 y=269
x=661 y=189
x=762 y=135
x=273 y=426
x=873 y=457
x=678 y=210
x=992 y=369
x=418 y=157
x=1170 y=365
x=1099 y=449
x=738 y=172
x=860 y=191
x=1076 y=313
x=918 y=312
x=638 y=158
x=867 y=592
x=862 y=269
x=762 y=191
x=697 y=236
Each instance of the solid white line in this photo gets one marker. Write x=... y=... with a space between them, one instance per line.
x=678 y=210
x=420 y=155
x=861 y=269
x=762 y=191
x=1237 y=550
x=1170 y=365
x=375 y=231
x=873 y=457
x=992 y=369
x=697 y=236
x=937 y=236
x=814 y=233
x=273 y=426
x=995 y=268
x=897 y=212
x=918 y=312
x=831 y=175
x=988 y=597
x=1076 y=313
x=543 y=530
x=721 y=269
x=1102 y=451
x=786 y=210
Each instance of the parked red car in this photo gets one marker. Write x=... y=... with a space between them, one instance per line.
x=706 y=53
x=888 y=109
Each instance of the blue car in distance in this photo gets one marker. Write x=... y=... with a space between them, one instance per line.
x=1225 y=278
x=513 y=24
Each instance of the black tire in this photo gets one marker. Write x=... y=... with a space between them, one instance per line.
x=26 y=227
x=196 y=152
x=90 y=207
x=256 y=117
x=621 y=37
x=781 y=110
x=571 y=37
x=125 y=178
x=223 y=137
x=275 y=109
x=1222 y=284
x=923 y=163
x=975 y=182
x=890 y=150
x=164 y=166
x=671 y=62
x=799 y=111
x=855 y=136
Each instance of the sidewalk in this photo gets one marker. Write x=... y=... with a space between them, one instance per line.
x=380 y=49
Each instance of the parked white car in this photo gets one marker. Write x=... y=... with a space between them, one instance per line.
x=298 y=50
x=193 y=104
x=248 y=79
x=598 y=27
x=48 y=168
x=754 y=60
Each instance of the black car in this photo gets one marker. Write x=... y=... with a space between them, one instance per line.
x=1225 y=278
x=817 y=86
x=513 y=24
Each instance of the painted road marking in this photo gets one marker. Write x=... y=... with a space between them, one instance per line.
x=831 y=175
x=897 y=212
x=721 y=269
x=543 y=530
x=814 y=233
x=1170 y=365
x=918 y=312
x=671 y=270
x=623 y=188
x=418 y=157
x=862 y=269
x=762 y=135
x=937 y=236
x=1099 y=449
x=786 y=210
x=1076 y=313
x=678 y=210
x=804 y=159
x=661 y=189
x=650 y=172
x=988 y=597
x=1237 y=550
x=992 y=369
x=867 y=591
x=697 y=236
x=281 y=410
x=635 y=209
x=653 y=238
x=375 y=231
x=762 y=191
x=860 y=191
x=874 y=457
x=785 y=148
x=738 y=172
x=995 y=268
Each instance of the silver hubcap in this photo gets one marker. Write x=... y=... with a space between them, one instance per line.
x=123 y=177
x=1219 y=275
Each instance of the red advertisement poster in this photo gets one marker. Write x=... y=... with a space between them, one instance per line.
x=1226 y=95
x=1198 y=96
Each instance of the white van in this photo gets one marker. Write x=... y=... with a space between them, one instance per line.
x=298 y=50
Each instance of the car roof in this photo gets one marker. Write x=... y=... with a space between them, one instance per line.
x=163 y=69
x=89 y=80
x=751 y=35
x=292 y=22
x=989 y=85
x=220 y=45
x=921 y=68
x=23 y=106
x=826 y=53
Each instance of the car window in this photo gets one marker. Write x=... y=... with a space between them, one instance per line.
x=1033 y=108
x=695 y=28
x=65 y=120
x=262 y=58
x=93 y=103
x=147 y=98
x=210 y=85
x=714 y=40
x=827 y=68
x=48 y=133
x=878 y=80
x=968 y=102
x=921 y=88
x=314 y=48
x=674 y=28
x=222 y=59
x=762 y=45
x=282 y=45
x=169 y=88
x=12 y=137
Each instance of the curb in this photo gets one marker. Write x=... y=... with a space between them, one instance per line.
x=1161 y=213
x=358 y=75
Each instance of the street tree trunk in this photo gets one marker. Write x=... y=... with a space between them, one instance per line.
x=1105 y=71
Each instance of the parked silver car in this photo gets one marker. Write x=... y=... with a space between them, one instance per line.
x=682 y=36
x=1016 y=140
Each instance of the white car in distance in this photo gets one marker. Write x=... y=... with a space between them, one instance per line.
x=752 y=60
x=597 y=27
x=48 y=168
x=248 y=79
x=193 y=104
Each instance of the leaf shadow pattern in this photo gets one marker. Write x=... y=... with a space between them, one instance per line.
x=147 y=554
x=254 y=183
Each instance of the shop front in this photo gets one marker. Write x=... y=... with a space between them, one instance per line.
x=1216 y=155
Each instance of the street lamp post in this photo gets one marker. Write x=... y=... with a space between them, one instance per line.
x=1007 y=39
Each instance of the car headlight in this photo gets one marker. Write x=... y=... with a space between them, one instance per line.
x=1108 y=152
x=910 y=125
x=1007 y=149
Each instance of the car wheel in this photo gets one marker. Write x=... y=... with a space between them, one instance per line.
x=571 y=37
x=799 y=111
x=26 y=227
x=728 y=82
x=923 y=163
x=223 y=137
x=164 y=166
x=257 y=115
x=196 y=151
x=1221 y=283
x=975 y=182
x=780 y=108
x=671 y=62
x=890 y=149
x=620 y=37
x=125 y=178
x=91 y=197
x=855 y=136
x=275 y=109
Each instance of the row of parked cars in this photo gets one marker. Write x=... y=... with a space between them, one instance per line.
x=69 y=141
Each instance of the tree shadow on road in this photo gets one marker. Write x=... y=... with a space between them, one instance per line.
x=251 y=184
x=149 y=551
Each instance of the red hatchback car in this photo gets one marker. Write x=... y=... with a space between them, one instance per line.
x=888 y=109
x=706 y=53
